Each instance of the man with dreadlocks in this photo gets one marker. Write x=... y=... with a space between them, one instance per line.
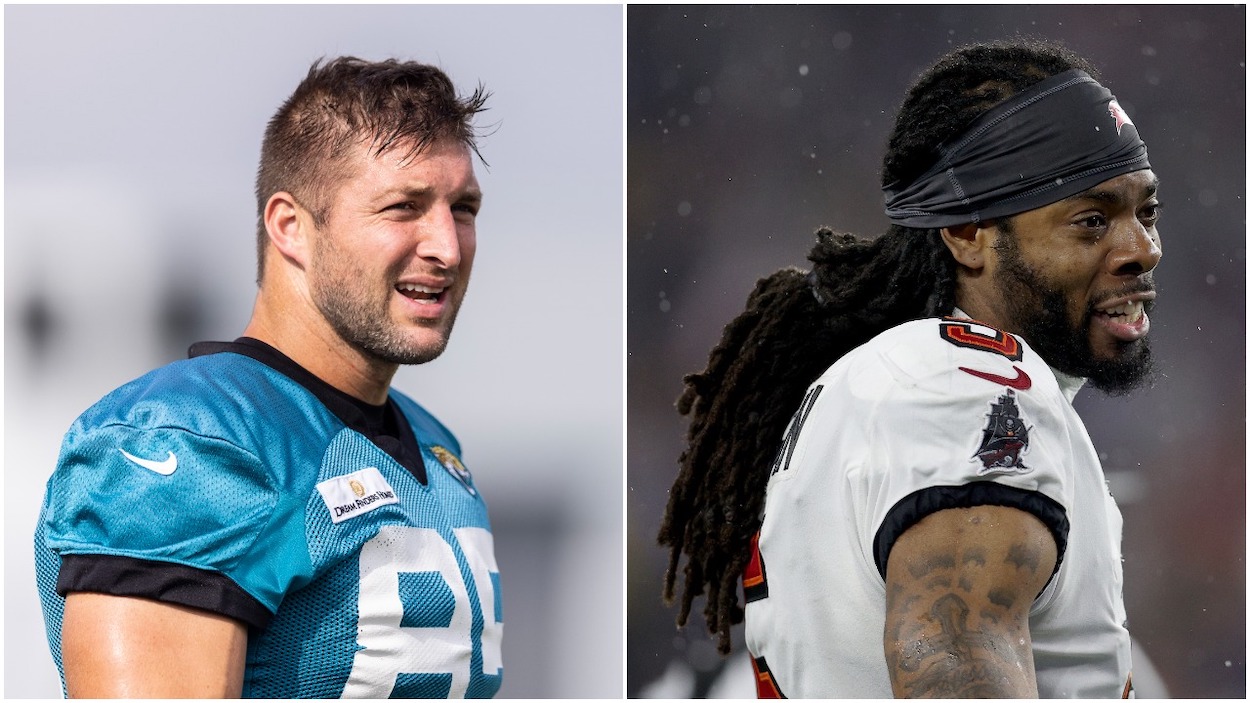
x=884 y=449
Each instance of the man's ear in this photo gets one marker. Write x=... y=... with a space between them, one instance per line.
x=968 y=243
x=288 y=225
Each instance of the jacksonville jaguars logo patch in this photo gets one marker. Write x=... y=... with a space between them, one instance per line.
x=454 y=466
x=1004 y=438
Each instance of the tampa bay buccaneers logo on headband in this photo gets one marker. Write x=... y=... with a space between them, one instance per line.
x=1059 y=137
x=1121 y=117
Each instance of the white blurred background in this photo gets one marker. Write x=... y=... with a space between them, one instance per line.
x=131 y=137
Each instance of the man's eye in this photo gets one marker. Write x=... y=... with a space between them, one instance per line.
x=1093 y=221
x=1150 y=213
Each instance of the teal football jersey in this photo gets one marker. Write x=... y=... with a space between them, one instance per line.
x=356 y=549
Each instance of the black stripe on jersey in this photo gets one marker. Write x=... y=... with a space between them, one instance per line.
x=926 y=501
x=755 y=576
x=162 y=581
x=765 y=685
x=384 y=425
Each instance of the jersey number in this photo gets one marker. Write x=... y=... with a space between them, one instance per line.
x=963 y=333
x=424 y=630
x=782 y=462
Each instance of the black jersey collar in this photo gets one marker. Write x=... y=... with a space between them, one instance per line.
x=384 y=425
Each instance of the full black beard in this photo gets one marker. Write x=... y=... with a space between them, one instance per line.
x=1039 y=311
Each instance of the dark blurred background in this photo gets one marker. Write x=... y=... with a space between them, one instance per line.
x=748 y=127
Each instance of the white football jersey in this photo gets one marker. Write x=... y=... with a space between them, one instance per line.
x=932 y=414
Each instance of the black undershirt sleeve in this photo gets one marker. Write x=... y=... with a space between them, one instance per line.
x=926 y=501
x=161 y=581
x=211 y=590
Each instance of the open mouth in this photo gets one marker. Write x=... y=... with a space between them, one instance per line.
x=1125 y=318
x=1126 y=313
x=421 y=294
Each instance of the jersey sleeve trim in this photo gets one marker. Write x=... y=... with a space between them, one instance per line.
x=161 y=581
x=926 y=501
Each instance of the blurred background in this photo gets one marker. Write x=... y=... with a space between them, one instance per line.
x=131 y=138
x=749 y=127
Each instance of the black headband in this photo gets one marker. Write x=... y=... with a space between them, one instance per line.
x=1056 y=139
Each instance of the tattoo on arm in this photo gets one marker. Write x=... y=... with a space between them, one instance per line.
x=974 y=555
x=1024 y=557
x=1001 y=597
x=957 y=614
x=932 y=563
x=957 y=662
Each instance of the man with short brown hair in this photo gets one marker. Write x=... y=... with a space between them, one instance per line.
x=268 y=518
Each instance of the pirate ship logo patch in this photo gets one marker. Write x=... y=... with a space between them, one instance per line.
x=1004 y=438
x=453 y=465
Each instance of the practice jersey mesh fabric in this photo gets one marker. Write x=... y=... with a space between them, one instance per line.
x=356 y=578
x=932 y=414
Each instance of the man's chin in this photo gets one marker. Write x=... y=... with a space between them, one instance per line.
x=424 y=351
x=405 y=347
x=1128 y=370
x=423 y=344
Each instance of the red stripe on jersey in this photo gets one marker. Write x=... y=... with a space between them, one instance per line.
x=765 y=687
x=754 y=581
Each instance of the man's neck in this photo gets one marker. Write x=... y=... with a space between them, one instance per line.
x=1070 y=385
x=310 y=342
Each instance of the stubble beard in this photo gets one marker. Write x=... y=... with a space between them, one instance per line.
x=1040 y=313
x=362 y=318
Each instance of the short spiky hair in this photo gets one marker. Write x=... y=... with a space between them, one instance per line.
x=347 y=102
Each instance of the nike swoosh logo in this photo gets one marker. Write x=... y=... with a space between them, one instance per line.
x=163 y=468
x=1021 y=382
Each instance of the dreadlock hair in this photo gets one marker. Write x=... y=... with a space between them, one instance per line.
x=798 y=323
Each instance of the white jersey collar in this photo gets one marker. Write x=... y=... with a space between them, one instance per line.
x=1068 y=384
